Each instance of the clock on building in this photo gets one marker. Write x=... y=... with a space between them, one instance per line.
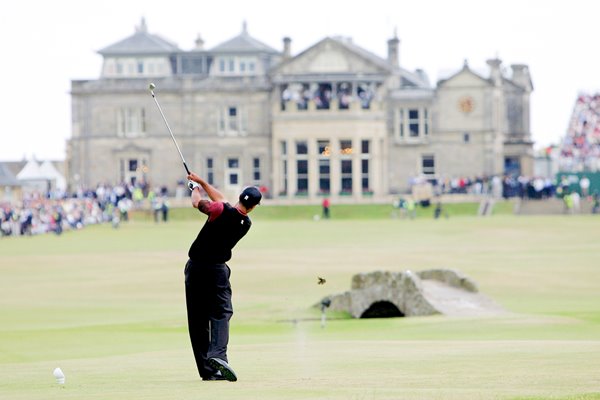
x=466 y=104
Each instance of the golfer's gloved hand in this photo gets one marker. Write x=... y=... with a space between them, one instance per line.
x=192 y=185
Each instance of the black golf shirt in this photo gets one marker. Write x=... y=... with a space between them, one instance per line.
x=219 y=235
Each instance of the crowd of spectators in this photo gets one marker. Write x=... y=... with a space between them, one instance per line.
x=323 y=94
x=580 y=148
x=39 y=214
x=506 y=186
x=58 y=211
x=528 y=187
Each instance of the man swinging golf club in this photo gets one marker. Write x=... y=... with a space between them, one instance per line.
x=207 y=287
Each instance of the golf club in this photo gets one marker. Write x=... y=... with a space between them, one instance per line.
x=151 y=87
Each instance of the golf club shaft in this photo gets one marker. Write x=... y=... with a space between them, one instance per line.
x=170 y=131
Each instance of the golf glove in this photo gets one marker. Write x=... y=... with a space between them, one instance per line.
x=192 y=185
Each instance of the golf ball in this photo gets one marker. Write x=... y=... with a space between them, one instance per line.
x=59 y=375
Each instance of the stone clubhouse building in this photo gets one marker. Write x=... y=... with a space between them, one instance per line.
x=333 y=120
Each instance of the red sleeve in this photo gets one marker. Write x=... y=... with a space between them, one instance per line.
x=215 y=209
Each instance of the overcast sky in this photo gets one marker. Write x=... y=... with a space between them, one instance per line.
x=46 y=44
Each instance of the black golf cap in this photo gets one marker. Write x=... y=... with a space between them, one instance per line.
x=250 y=197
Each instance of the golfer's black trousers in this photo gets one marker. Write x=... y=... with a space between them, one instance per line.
x=209 y=309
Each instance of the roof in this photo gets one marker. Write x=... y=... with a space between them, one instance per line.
x=141 y=42
x=413 y=79
x=340 y=42
x=463 y=69
x=349 y=44
x=243 y=43
x=15 y=166
x=7 y=178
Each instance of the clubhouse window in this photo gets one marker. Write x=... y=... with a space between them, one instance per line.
x=302 y=167
x=232 y=171
x=256 y=170
x=210 y=172
x=232 y=121
x=412 y=123
x=346 y=166
x=346 y=175
x=428 y=164
x=131 y=121
x=365 y=163
x=302 y=176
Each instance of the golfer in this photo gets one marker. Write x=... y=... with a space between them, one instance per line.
x=207 y=287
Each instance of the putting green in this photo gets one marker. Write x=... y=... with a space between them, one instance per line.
x=107 y=306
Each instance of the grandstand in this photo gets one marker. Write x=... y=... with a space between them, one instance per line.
x=580 y=148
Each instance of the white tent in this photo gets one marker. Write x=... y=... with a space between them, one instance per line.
x=42 y=177
x=50 y=173
x=30 y=172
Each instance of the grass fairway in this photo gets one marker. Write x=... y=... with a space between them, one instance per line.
x=107 y=306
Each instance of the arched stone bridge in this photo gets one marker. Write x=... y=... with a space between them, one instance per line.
x=407 y=293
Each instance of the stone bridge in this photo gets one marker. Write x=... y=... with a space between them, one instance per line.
x=393 y=294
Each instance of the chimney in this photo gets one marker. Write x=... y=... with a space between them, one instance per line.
x=520 y=75
x=287 y=47
x=143 y=28
x=393 y=50
x=199 y=43
x=495 y=73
